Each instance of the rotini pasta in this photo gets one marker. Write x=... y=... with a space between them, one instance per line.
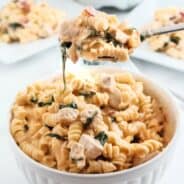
x=100 y=167
x=95 y=35
x=74 y=132
x=110 y=151
x=86 y=129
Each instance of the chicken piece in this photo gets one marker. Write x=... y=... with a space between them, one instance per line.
x=70 y=32
x=121 y=36
x=107 y=82
x=65 y=116
x=90 y=11
x=77 y=155
x=115 y=98
x=92 y=147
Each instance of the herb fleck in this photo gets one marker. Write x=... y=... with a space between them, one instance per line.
x=77 y=159
x=87 y=94
x=57 y=136
x=142 y=37
x=136 y=139
x=66 y=44
x=109 y=38
x=93 y=33
x=49 y=127
x=175 y=39
x=163 y=47
x=71 y=105
x=34 y=99
x=15 y=25
x=42 y=104
x=90 y=119
x=102 y=137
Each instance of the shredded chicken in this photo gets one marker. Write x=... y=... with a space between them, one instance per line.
x=107 y=83
x=122 y=37
x=115 y=98
x=66 y=116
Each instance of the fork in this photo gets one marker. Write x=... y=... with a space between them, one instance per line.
x=163 y=30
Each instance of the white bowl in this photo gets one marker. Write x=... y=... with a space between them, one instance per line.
x=147 y=173
x=124 y=5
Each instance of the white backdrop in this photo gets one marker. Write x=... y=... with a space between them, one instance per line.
x=16 y=76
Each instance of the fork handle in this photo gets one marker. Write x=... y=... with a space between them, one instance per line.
x=163 y=30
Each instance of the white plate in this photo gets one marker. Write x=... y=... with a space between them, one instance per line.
x=11 y=53
x=142 y=15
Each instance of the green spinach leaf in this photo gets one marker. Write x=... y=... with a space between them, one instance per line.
x=102 y=137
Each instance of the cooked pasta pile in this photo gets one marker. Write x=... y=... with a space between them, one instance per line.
x=101 y=123
x=95 y=35
x=25 y=21
x=171 y=44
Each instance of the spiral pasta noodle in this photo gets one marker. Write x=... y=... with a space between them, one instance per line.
x=111 y=151
x=129 y=114
x=100 y=99
x=74 y=132
x=100 y=167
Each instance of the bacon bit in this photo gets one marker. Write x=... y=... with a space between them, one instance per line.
x=182 y=14
x=25 y=6
x=90 y=11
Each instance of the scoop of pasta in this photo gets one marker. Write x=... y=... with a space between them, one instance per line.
x=95 y=35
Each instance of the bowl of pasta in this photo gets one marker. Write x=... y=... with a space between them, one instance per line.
x=107 y=126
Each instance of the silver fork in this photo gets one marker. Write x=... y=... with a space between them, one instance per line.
x=163 y=30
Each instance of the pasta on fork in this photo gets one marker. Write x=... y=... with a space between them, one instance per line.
x=95 y=35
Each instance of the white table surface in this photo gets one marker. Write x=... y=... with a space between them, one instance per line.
x=16 y=76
